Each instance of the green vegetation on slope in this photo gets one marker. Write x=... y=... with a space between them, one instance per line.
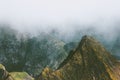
x=29 y=53
x=21 y=76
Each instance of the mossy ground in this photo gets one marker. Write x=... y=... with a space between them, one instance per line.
x=21 y=76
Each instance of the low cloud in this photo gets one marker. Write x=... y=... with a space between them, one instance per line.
x=66 y=16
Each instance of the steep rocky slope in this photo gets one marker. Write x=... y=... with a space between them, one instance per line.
x=89 y=61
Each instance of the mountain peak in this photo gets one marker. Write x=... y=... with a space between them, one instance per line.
x=89 y=61
x=88 y=39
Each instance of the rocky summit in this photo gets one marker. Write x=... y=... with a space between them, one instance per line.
x=89 y=61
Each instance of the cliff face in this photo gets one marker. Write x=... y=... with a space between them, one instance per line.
x=89 y=61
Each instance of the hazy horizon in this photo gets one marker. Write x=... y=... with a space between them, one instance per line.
x=66 y=16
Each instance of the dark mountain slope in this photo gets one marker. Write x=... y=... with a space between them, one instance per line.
x=89 y=61
x=116 y=47
x=29 y=53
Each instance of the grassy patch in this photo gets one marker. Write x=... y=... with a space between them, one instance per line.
x=21 y=76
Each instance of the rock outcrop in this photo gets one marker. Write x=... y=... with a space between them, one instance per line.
x=5 y=75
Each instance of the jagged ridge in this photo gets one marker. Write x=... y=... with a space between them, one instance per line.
x=90 y=61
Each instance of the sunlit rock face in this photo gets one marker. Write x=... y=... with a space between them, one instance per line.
x=89 y=61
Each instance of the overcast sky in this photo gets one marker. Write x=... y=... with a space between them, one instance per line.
x=33 y=14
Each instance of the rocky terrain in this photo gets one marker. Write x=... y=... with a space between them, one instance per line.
x=48 y=56
x=5 y=75
x=89 y=61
